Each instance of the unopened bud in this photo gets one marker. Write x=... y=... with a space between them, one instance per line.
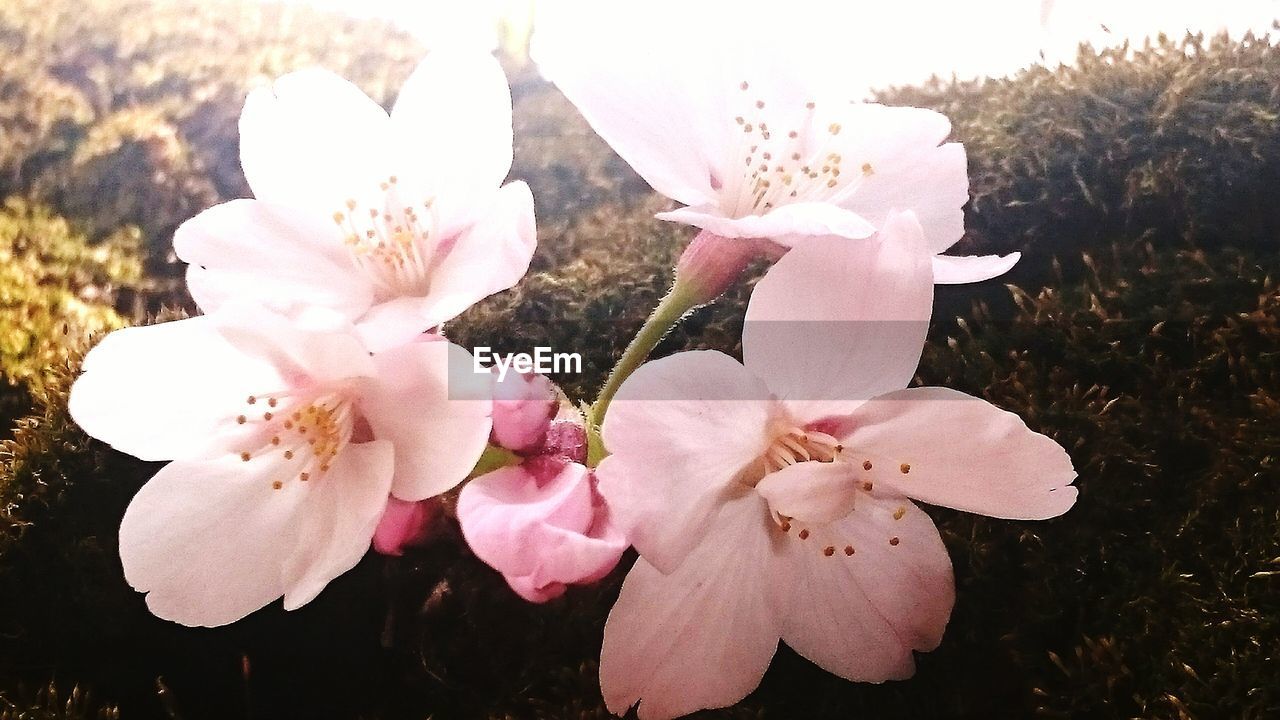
x=523 y=406
x=711 y=264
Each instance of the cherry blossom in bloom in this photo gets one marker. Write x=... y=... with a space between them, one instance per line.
x=741 y=118
x=286 y=439
x=397 y=221
x=772 y=499
x=542 y=523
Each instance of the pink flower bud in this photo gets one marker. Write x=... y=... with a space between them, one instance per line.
x=542 y=524
x=712 y=263
x=405 y=524
x=523 y=406
x=566 y=439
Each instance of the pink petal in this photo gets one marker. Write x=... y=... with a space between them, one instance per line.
x=533 y=590
x=284 y=258
x=405 y=524
x=785 y=224
x=961 y=269
x=313 y=140
x=539 y=533
x=210 y=541
x=523 y=406
x=836 y=322
x=962 y=452
x=701 y=637
x=814 y=492
x=427 y=400
x=167 y=391
x=451 y=125
x=885 y=589
x=680 y=430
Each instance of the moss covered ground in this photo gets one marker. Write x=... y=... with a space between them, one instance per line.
x=1141 y=330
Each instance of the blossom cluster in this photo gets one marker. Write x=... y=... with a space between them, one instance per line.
x=316 y=408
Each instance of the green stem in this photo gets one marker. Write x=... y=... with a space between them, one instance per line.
x=664 y=317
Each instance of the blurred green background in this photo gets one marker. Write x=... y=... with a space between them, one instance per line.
x=1141 y=331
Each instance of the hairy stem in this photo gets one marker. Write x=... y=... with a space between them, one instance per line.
x=664 y=317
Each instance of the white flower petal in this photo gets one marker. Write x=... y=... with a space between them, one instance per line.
x=488 y=257
x=210 y=541
x=166 y=391
x=671 y=121
x=207 y=540
x=342 y=511
x=428 y=402
x=451 y=126
x=701 y=637
x=318 y=346
x=284 y=258
x=788 y=224
x=961 y=269
x=908 y=169
x=313 y=140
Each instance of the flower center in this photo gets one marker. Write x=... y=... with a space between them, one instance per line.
x=395 y=244
x=795 y=444
x=301 y=433
x=794 y=159
x=791 y=445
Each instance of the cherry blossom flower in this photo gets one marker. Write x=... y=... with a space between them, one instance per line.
x=742 y=119
x=769 y=499
x=286 y=438
x=396 y=221
x=542 y=523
